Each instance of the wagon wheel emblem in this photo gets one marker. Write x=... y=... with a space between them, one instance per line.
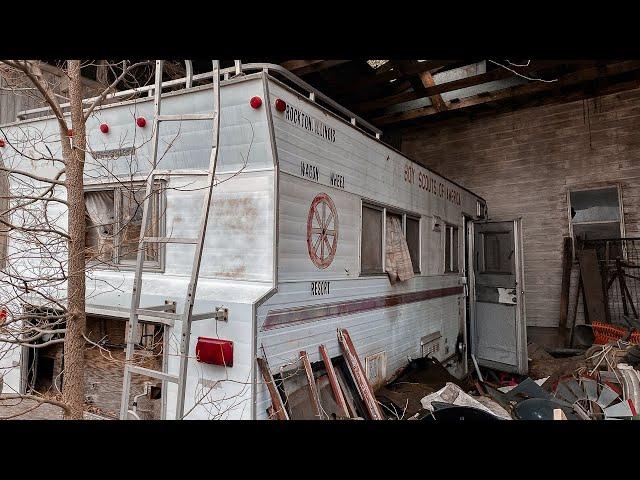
x=322 y=231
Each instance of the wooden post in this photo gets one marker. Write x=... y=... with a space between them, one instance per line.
x=313 y=390
x=276 y=401
x=567 y=260
x=333 y=381
x=359 y=376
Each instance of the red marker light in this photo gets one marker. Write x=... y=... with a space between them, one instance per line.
x=255 y=102
x=104 y=128
x=141 y=122
x=281 y=106
x=70 y=133
x=2 y=143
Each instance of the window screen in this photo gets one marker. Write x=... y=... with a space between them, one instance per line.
x=497 y=253
x=371 y=243
x=413 y=241
x=595 y=214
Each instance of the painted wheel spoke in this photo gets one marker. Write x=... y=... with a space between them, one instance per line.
x=329 y=219
x=324 y=240
x=317 y=244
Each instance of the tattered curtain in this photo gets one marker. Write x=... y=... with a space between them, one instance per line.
x=397 y=258
x=100 y=209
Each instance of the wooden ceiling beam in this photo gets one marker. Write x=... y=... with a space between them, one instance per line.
x=585 y=75
x=436 y=100
x=304 y=67
x=438 y=89
x=388 y=76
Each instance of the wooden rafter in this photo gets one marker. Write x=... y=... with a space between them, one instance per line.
x=436 y=100
x=471 y=81
x=304 y=67
x=388 y=76
x=584 y=75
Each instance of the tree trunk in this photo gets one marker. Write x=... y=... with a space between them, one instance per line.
x=73 y=151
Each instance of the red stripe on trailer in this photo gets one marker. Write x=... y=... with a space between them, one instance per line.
x=297 y=315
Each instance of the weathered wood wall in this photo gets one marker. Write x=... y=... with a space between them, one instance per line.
x=17 y=92
x=523 y=163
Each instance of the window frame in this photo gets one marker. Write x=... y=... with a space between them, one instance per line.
x=451 y=227
x=384 y=209
x=574 y=189
x=116 y=262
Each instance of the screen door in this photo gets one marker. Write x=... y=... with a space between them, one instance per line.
x=499 y=337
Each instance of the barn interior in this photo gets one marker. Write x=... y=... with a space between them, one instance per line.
x=552 y=142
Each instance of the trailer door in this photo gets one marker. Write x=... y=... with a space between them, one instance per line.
x=499 y=335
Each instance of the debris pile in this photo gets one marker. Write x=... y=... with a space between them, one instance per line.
x=600 y=384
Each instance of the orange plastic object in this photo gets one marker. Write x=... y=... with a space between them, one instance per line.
x=605 y=333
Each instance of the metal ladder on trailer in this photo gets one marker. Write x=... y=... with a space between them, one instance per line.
x=159 y=312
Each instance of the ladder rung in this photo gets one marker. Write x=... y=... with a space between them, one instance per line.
x=162 y=308
x=218 y=314
x=152 y=373
x=186 y=117
x=155 y=313
x=184 y=240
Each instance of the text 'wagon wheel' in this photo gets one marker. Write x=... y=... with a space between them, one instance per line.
x=322 y=231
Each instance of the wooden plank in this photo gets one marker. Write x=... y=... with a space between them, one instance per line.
x=386 y=77
x=313 y=391
x=276 y=401
x=580 y=76
x=567 y=261
x=358 y=374
x=436 y=100
x=471 y=81
x=304 y=67
x=333 y=381
x=380 y=103
x=592 y=282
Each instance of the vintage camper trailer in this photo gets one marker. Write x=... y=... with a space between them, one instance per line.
x=307 y=202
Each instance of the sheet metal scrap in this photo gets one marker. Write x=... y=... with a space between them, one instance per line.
x=630 y=386
x=599 y=400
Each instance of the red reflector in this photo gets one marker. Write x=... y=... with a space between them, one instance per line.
x=281 y=106
x=69 y=133
x=104 y=128
x=141 y=122
x=215 y=351
x=255 y=102
x=2 y=144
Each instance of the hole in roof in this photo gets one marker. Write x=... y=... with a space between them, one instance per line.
x=375 y=64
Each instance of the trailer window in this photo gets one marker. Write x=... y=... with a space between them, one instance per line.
x=412 y=233
x=371 y=240
x=113 y=224
x=450 y=249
